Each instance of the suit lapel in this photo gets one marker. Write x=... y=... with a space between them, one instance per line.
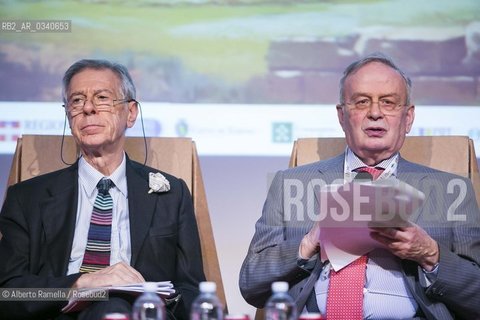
x=328 y=171
x=58 y=214
x=412 y=174
x=141 y=207
x=332 y=169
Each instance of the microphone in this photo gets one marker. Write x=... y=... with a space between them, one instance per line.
x=363 y=176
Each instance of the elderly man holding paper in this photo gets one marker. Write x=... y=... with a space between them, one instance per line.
x=425 y=268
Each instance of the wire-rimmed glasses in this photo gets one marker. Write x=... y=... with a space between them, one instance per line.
x=386 y=105
x=101 y=102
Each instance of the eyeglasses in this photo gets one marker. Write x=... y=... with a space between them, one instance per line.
x=101 y=102
x=387 y=106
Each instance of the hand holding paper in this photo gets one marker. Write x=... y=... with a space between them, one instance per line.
x=310 y=245
x=410 y=242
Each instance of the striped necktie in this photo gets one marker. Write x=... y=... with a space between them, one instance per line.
x=345 y=291
x=97 y=252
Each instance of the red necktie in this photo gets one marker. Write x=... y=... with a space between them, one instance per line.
x=375 y=172
x=345 y=291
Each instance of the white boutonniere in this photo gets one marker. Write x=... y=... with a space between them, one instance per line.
x=157 y=183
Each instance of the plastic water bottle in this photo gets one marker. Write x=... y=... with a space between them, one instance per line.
x=207 y=306
x=148 y=305
x=280 y=306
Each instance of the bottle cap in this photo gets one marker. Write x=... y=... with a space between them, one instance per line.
x=280 y=286
x=236 y=317
x=208 y=287
x=115 y=316
x=310 y=316
x=150 y=286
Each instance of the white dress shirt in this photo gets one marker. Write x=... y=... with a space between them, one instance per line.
x=386 y=294
x=88 y=177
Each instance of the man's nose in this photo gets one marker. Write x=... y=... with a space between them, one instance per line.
x=89 y=106
x=375 y=112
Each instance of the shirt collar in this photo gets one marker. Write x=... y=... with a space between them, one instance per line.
x=90 y=176
x=354 y=162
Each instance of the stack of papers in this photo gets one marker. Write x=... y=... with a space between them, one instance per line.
x=81 y=298
x=347 y=211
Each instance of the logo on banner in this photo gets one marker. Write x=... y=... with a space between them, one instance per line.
x=282 y=132
x=9 y=131
x=181 y=128
x=152 y=127
x=431 y=131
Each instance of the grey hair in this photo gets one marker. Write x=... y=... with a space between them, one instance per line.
x=374 y=57
x=128 y=88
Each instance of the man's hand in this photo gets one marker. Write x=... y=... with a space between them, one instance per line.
x=118 y=274
x=410 y=242
x=310 y=243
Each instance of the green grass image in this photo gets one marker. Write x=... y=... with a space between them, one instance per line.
x=228 y=41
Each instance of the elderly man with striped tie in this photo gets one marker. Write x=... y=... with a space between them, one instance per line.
x=427 y=269
x=95 y=223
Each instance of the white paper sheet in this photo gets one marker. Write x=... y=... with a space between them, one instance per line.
x=347 y=211
x=77 y=303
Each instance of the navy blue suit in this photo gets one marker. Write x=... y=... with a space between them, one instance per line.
x=38 y=221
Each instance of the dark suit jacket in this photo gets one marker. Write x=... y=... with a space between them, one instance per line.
x=38 y=220
x=273 y=252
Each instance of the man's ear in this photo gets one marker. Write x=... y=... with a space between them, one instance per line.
x=341 y=115
x=67 y=118
x=132 y=113
x=409 y=117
